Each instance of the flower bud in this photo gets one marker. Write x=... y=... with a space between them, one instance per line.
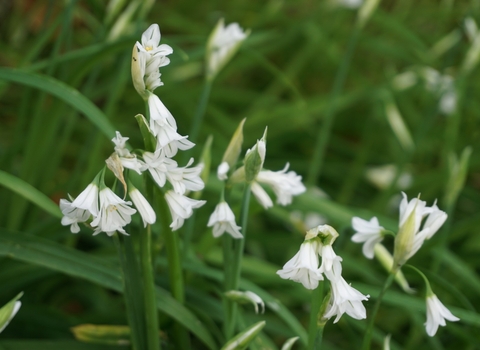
x=241 y=340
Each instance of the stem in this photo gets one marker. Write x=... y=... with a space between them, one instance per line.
x=131 y=303
x=325 y=129
x=149 y=290
x=368 y=333
x=233 y=272
x=200 y=112
x=315 y=329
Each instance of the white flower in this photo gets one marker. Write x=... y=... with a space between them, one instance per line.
x=144 y=208
x=120 y=142
x=159 y=114
x=223 y=220
x=437 y=313
x=303 y=267
x=128 y=160
x=73 y=215
x=345 y=299
x=331 y=263
x=114 y=213
x=158 y=165
x=262 y=197
x=14 y=311
x=222 y=171
x=222 y=45
x=88 y=199
x=150 y=43
x=170 y=141
x=181 y=208
x=368 y=232
x=183 y=179
x=410 y=238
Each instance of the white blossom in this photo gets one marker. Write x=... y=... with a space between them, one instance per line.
x=150 y=43
x=170 y=141
x=303 y=267
x=222 y=171
x=128 y=160
x=72 y=215
x=261 y=195
x=345 y=299
x=114 y=213
x=437 y=313
x=159 y=114
x=88 y=199
x=223 y=220
x=368 y=232
x=284 y=184
x=158 y=165
x=144 y=208
x=222 y=45
x=181 y=208
x=185 y=178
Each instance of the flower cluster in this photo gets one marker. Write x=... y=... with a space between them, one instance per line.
x=98 y=205
x=304 y=268
x=285 y=184
x=417 y=223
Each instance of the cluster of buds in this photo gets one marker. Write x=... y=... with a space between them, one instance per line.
x=98 y=205
x=304 y=268
x=417 y=223
x=284 y=184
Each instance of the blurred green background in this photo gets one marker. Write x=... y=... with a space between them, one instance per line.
x=410 y=103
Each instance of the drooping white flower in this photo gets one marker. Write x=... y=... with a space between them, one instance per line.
x=114 y=213
x=72 y=215
x=331 y=263
x=223 y=220
x=144 y=208
x=303 y=267
x=88 y=199
x=181 y=208
x=437 y=313
x=222 y=45
x=261 y=195
x=368 y=232
x=284 y=184
x=185 y=178
x=159 y=114
x=170 y=141
x=345 y=299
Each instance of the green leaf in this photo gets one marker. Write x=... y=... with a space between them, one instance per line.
x=42 y=252
x=52 y=345
x=29 y=192
x=244 y=338
x=64 y=92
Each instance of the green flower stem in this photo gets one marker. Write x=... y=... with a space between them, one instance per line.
x=233 y=272
x=315 y=329
x=175 y=272
x=368 y=333
x=151 y=316
x=131 y=302
x=200 y=112
x=326 y=127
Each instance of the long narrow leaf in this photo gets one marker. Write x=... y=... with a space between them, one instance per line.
x=41 y=252
x=29 y=192
x=64 y=92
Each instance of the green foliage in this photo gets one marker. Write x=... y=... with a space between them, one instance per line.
x=65 y=87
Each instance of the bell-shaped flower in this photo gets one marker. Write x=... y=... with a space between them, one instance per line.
x=181 y=208
x=368 y=232
x=284 y=184
x=303 y=267
x=185 y=178
x=222 y=171
x=223 y=220
x=159 y=114
x=88 y=199
x=114 y=213
x=222 y=45
x=72 y=215
x=261 y=195
x=170 y=141
x=345 y=299
x=144 y=208
x=437 y=313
